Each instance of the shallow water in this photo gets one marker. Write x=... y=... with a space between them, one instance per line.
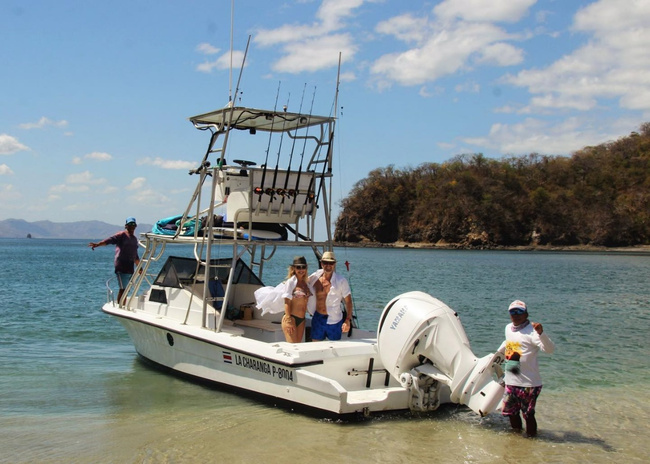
x=73 y=390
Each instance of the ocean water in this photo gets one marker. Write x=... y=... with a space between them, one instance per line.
x=72 y=389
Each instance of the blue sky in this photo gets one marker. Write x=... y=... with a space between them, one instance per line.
x=95 y=95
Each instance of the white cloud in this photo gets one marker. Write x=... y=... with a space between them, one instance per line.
x=223 y=62
x=85 y=177
x=287 y=34
x=445 y=145
x=481 y=10
x=614 y=63
x=425 y=92
x=5 y=170
x=469 y=86
x=109 y=190
x=332 y=12
x=64 y=188
x=457 y=36
x=406 y=28
x=207 y=49
x=151 y=197
x=314 y=54
x=556 y=102
x=98 y=156
x=348 y=76
x=444 y=51
x=537 y=136
x=43 y=122
x=77 y=183
x=137 y=183
x=612 y=16
x=500 y=54
x=10 y=145
x=167 y=164
x=315 y=46
x=9 y=195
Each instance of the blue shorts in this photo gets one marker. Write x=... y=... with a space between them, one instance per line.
x=522 y=399
x=320 y=329
x=123 y=279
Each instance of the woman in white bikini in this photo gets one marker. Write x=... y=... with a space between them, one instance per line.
x=296 y=296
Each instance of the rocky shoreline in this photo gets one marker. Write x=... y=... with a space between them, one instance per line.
x=458 y=246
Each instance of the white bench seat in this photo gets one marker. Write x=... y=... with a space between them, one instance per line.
x=261 y=324
x=261 y=329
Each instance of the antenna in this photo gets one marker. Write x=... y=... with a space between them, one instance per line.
x=232 y=26
x=232 y=106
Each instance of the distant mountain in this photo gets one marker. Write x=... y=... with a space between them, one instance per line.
x=19 y=228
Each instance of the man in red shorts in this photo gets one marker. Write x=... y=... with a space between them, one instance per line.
x=524 y=339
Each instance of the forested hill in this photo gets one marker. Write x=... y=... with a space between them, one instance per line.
x=597 y=196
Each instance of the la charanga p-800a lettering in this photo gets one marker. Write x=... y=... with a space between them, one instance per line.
x=258 y=365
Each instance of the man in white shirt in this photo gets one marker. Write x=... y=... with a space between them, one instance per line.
x=331 y=289
x=524 y=340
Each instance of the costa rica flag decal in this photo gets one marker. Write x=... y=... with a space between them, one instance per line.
x=227 y=357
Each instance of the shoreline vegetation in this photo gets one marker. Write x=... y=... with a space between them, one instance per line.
x=598 y=198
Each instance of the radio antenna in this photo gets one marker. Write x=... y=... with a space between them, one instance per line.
x=232 y=26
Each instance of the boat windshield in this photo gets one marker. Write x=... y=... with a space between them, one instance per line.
x=179 y=271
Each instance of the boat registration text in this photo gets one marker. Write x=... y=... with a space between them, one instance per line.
x=258 y=365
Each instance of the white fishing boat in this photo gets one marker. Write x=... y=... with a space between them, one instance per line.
x=178 y=309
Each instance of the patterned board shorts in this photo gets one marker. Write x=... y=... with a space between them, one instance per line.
x=522 y=399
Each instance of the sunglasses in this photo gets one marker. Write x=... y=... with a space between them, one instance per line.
x=517 y=311
x=327 y=263
x=300 y=266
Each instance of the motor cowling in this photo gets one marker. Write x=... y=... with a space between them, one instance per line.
x=420 y=338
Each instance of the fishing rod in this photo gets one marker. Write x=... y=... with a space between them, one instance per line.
x=283 y=192
x=268 y=147
x=330 y=147
x=277 y=161
x=304 y=147
x=354 y=321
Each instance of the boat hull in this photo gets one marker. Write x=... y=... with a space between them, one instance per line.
x=331 y=379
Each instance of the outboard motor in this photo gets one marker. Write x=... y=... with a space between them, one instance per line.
x=422 y=344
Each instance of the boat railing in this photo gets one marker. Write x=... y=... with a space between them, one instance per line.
x=153 y=251
x=109 y=291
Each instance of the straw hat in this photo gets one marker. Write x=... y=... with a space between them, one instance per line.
x=328 y=257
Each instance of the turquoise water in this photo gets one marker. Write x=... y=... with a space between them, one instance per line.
x=73 y=390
